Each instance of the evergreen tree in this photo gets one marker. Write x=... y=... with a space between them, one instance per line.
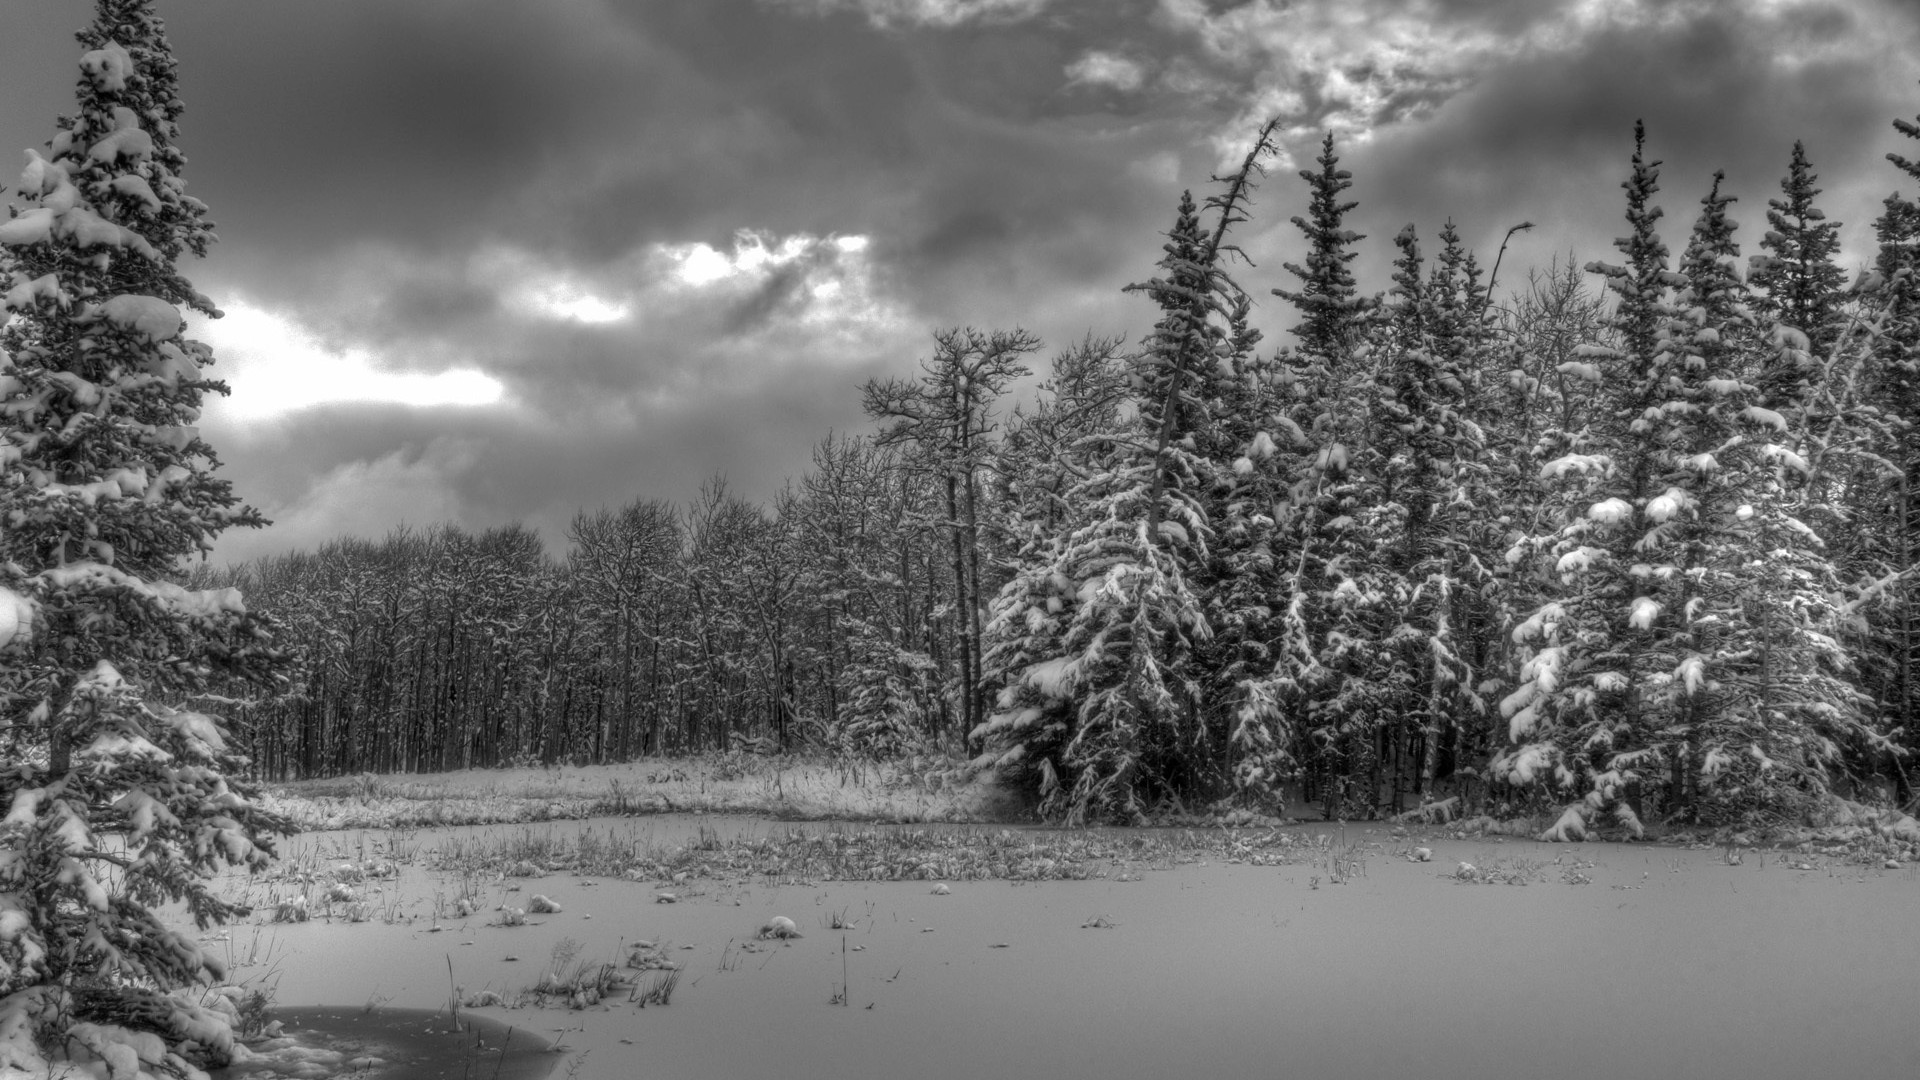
x=1797 y=282
x=1328 y=298
x=1575 y=704
x=1724 y=691
x=1881 y=479
x=120 y=798
x=1097 y=641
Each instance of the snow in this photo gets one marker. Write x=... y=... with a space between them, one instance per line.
x=1543 y=669
x=27 y=295
x=1692 y=674
x=1580 y=370
x=41 y=175
x=136 y=187
x=1754 y=414
x=26 y=807
x=1544 y=622
x=108 y=67
x=1522 y=722
x=1532 y=761
x=1579 y=560
x=1610 y=511
x=123 y=1051
x=149 y=316
x=16 y=617
x=82 y=226
x=1644 y=610
x=204 y=603
x=1784 y=456
x=1571 y=826
x=127 y=139
x=1663 y=507
x=30 y=227
x=1054 y=678
x=118 y=746
x=1574 y=463
x=199 y=730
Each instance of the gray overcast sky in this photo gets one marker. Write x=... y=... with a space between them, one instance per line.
x=487 y=260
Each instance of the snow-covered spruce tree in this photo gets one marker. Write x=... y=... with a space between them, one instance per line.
x=1322 y=409
x=1740 y=688
x=1328 y=298
x=1409 y=562
x=1095 y=643
x=1575 y=705
x=1759 y=709
x=1882 y=548
x=1798 y=285
x=118 y=799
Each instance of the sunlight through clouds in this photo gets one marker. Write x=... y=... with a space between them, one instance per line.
x=824 y=283
x=275 y=366
x=937 y=13
x=1097 y=68
x=529 y=286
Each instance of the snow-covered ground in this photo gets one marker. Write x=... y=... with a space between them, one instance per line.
x=1338 y=953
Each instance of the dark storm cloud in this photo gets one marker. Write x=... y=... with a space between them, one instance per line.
x=1548 y=139
x=522 y=191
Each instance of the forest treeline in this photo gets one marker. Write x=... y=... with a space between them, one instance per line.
x=1635 y=537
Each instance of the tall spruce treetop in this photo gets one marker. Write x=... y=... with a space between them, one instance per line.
x=1328 y=297
x=1641 y=285
x=1798 y=282
x=1096 y=643
x=118 y=799
x=1911 y=130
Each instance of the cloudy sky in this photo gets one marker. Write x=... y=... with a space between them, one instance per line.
x=496 y=260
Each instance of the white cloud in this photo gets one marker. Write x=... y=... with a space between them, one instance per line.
x=835 y=275
x=1098 y=68
x=274 y=366
x=938 y=13
x=529 y=286
x=1353 y=66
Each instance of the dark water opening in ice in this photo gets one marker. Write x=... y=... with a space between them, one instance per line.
x=1596 y=961
x=393 y=1044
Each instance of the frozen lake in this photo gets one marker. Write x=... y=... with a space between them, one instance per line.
x=1610 y=960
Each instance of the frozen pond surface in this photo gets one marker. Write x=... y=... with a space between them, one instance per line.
x=373 y=1044
x=1613 y=960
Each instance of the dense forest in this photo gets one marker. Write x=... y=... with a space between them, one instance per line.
x=1630 y=538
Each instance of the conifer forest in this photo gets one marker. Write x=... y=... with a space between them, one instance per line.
x=1635 y=537
x=1615 y=544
